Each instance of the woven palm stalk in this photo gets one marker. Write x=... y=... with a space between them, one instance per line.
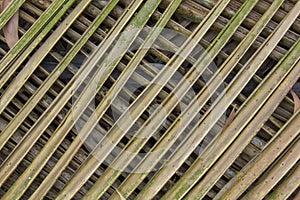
x=156 y=99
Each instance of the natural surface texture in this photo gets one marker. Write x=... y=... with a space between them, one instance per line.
x=155 y=99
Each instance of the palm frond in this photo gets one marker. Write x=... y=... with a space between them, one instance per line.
x=156 y=99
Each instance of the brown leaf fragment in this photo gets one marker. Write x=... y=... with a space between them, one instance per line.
x=10 y=30
x=297 y=197
x=229 y=119
x=296 y=101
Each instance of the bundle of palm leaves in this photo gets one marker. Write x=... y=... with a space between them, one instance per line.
x=154 y=99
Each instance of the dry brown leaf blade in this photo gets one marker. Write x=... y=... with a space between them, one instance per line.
x=229 y=119
x=296 y=101
x=10 y=30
